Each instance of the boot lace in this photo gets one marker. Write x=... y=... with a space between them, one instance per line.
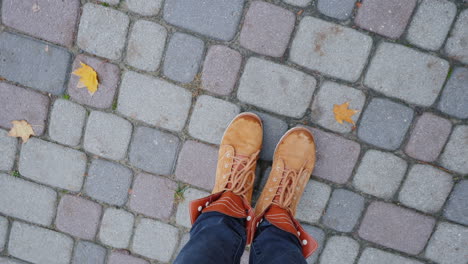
x=241 y=177
x=285 y=194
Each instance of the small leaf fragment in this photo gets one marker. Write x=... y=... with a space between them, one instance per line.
x=343 y=113
x=88 y=78
x=21 y=129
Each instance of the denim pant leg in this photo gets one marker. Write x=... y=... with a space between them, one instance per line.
x=214 y=238
x=275 y=246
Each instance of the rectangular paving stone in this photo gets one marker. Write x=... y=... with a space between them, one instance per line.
x=340 y=249
x=88 y=253
x=267 y=29
x=319 y=236
x=338 y=9
x=116 y=228
x=385 y=123
x=457 y=205
x=142 y=7
x=313 y=202
x=428 y=137
x=107 y=135
x=78 y=217
x=276 y=88
x=456 y=46
x=152 y=196
x=454 y=99
x=102 y=31
x=385 y=17
x=431 y=24
x=344 y=210
x=210 y=117
x=3 y=232
x=182 y=215
x=39 y=245
x=456 y=153
x=67 y=120
x=407 y=74
x=220 y=69
x=146 y=44
x=108 y=75
x=380 y=173
x=214 y=18
x=108 y=182
x=330 y=48
x=10 y=261
x=331 y=94
x=395 y=227
x=53 y=21
x=155 y=240
x=8 y=150
x=153 y=101
x=32 y=63
x=373 y=255
x=153 y=150
x=122 y=258
x=183 y=57
x=26 y=200
x=52 y=164
x=448 y=244
x=273 y=129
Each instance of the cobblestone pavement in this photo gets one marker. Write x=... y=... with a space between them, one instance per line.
x=103 y=180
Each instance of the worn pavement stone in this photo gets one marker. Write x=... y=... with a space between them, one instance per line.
x=89 y=253
x=10 y=261
x=220 y=69
x=102 y=31
x=196 y=164
x=108 y=182
x=3 y=232
x=273 y=129
x=457 y=46
x=448 y=244
x=344 y=210
x=26 y=200
x=152 y=196
x=122 y=258
x=455 y=155
x=8 y=146
x=373 y=255
x=340 y=249
x=210 y=117
x=116 y=228
x=145 y=8
x=66 y=122
x=55 y=21
x=379 y=174
x=407 y=74
x=276 y=87
x=395 y=227
x=107 y=135
x=428 y=137
x=385 y=17
x=385 y=123
x=426 y=188
x=17 y=103
x=182 y=215
x=331 y=94
x=78 y=217
x=39 y=245
x=319 y=236
x=330 y=48
x=146 y=44
x=153 y=150
x=267 y=29
x=33 y=63
x=155 y=240
x=301 y=3
x=108 y=75
x=214 y=18
x=457 y=206
x=431 y=23
x=338 y=9
x=313 y=202
x=154 y=101
x=454 y=99
x=52 y=164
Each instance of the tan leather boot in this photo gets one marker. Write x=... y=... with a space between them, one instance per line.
x=293 y=162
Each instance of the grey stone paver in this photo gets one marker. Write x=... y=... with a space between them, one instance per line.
x=455 y=154
x=338 y=9
x=8 y=147
x=319 y=236
x=457 y=205
x=373 y=255
x=146 y=45
x=182 y=214
x=214 y=18
x=153 y=101
x=3 y=232
x=67 y=120
x=52 y=164
x=276 y=87
x=431 y=23
x=102 y=31
x=33 y=63
x=385 y=123
x=344 y=210
x=10 y=261
x=447 y=244
x=26 y=200
x=330 y=48
x=456 y=46
x=313 y=202
x=454 y=99
x=39 y=245
x=142 y=7
x=407 y=74
x=267 y=29
x=88 y=253
x=116 y=228
x=273 y=129
x=340 y=249
x=122 y=258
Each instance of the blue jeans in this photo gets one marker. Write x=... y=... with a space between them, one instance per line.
x=217 y=238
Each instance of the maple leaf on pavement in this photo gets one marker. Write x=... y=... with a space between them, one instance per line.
x=343 y=113
x=21 y=129
x=88 y=78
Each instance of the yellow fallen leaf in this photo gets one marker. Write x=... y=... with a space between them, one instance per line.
x=343 y=113
x=88 y=78
x=21 y=129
